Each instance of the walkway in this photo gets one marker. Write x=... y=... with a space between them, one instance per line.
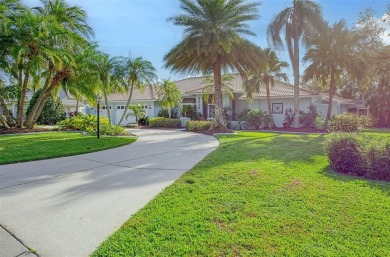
x=68 y=206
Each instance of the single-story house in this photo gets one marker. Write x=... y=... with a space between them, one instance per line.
x=282 y=99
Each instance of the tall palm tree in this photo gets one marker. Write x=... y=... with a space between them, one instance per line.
x=266 y=74
x=297 y=23
x=169 y=95
x=213 y=41
x=208 y=90
x=106 y=66
x=331 y=55
x=135 y=73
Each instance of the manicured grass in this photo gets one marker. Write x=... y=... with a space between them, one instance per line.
x=261 y=194
x=28 y=147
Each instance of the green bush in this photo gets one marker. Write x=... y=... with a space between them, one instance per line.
x=379 y=159
x=366 y=121
x=254 y=118
x=197 y=125
x=308 y=119
x=346 y=154
x=165 y=114
x=88 y=123
x=350 y=153
x=345 y=122
x=189 y=111
x=52 y=112
x=164 y=122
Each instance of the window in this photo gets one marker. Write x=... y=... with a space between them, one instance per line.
x=277 y=108
x=362 y=112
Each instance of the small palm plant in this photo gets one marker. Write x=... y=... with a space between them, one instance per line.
x=137 y=111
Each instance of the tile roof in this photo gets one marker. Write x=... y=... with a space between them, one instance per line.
x=336 y=98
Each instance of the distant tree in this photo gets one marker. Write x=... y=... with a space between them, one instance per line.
x=297 y=23
x=266 y=74
x=331 y=54
x=169 y=95
x=137 y=111
x=135 y=73
x=213 y=41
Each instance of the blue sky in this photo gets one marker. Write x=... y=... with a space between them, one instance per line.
x=140 y=27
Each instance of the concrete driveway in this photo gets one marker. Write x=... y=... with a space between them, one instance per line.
x=68 y=206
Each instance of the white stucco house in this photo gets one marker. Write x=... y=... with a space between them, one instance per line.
x=282 y=98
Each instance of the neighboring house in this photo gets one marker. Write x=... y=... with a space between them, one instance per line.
x=12 y=104
x=282 y=98
x=72 y=105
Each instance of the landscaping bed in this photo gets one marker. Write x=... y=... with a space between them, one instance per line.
x=23 y=130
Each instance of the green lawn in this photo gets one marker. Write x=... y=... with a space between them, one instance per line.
x=28 y=147
x=261 y=194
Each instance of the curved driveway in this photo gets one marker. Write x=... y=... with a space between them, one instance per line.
x=68 y=206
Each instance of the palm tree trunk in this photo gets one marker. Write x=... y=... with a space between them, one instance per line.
x=9 y=119
x=77 y=107
x=128 y=103
x=3 y=121
x=107 y=107
x=20 y=114
x=272 y=125
x=295 y=123
x=33 y=113
x=219 y=121
x=169 y=110
x=330 y=104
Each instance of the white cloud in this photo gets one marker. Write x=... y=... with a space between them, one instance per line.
x=384 y=22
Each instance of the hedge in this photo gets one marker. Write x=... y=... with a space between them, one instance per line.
x=353 y=154
x=196 y=125
x=164 y=122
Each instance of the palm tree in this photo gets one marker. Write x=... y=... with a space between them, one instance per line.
x=332 y=55
x=135 y=73
x=137 y=112
x=213 y=41
x=297 y=23
x=169 y=95
x=266 y=75
x=106 y=66
x=209 y=88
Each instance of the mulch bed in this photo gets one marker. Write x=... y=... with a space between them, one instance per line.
x=214 y=131
x=22 y=130
x=298 y=130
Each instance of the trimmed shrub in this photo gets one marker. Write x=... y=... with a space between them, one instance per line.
x=366 y=121
x=379 y=159
x=53 y=111
x=345 y=122
x=350 y=153
x=254 y=118
x=88 y=123
x=308 y=119
x=346 y=154
x=164 y=122
x=196 y=125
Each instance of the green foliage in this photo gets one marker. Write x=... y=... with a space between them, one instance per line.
x=309 y=119
x=360 y=155
x=254 y=118
x=345 y=122
x=88 y=123
x=164 y=122
x=288 y=118
x=366 y=121
x=198 y=125
x=165 y=113
x=53 y=111
x=189 y=111
x=241 y=116
x=345 y=154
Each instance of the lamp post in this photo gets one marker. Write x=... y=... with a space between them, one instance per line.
x=98 y=115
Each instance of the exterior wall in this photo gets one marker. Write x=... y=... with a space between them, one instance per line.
x=336 y=109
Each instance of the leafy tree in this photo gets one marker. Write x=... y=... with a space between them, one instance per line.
x=169 y=95
x=213 y=41
x=135 y=73
x=297 y=23
x=265 y=75
x=331 y=54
